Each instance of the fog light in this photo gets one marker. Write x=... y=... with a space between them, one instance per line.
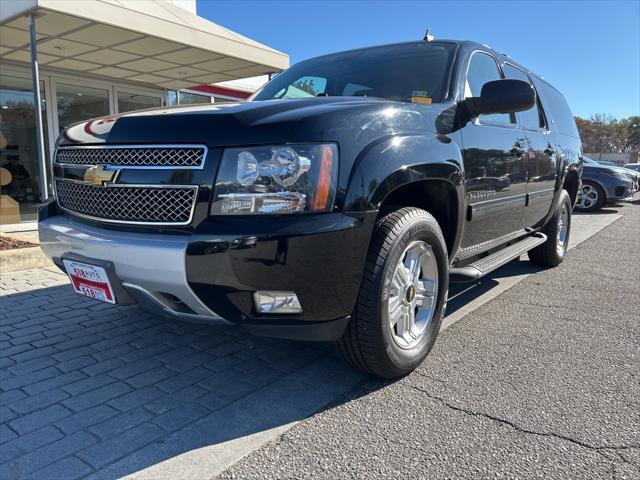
x=276 y=302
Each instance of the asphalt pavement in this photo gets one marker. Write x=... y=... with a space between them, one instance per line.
x=542 y=381
x=535 y=374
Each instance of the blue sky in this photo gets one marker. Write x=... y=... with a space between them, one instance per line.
x=589 y=50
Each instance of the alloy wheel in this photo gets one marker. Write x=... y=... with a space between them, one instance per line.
x=413 y=294
x=588 y=197
x=563 y=229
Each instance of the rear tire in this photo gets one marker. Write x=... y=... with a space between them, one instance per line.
x=402 y=296
x=591 y=197
x=558 y=229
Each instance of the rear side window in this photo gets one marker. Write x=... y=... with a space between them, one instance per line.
x=558 y=109
x=482 y=69
x=532 y=119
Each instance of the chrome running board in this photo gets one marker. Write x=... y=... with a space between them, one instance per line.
x=488 y=264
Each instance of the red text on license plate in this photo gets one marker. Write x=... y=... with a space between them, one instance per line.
x=90 y=280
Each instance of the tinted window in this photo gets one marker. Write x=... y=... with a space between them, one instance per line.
x=557 y=108
x=531 y=119
x=482 y=69
x=417 y=72
x=304 y=87
x=351 y=89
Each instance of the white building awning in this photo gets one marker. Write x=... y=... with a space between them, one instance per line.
x=147 y=41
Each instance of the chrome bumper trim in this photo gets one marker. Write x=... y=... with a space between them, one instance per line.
x=152 y=263
x=154 y=302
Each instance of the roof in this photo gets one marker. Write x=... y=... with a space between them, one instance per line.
x=152 y=42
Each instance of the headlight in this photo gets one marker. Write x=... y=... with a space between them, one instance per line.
x=276 y=179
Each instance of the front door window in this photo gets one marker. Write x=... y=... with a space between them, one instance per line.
x=482 y=69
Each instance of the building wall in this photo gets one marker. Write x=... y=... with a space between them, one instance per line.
x=620 y=158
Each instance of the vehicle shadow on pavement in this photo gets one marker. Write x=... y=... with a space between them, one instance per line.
x=608 y=210
x=89 y=389
x=462 y=294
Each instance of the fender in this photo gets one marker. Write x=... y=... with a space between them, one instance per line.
x=568 y=161
x=400 y=160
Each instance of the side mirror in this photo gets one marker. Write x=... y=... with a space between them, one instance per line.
x=502 y=96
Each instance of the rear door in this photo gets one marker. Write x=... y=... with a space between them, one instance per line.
x=495 y=168
x=541 y=158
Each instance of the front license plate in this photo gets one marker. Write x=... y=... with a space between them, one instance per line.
x=90 y=280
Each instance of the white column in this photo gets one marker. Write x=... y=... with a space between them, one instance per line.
x=35 y=74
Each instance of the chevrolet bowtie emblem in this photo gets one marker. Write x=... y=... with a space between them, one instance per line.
x=99 y=175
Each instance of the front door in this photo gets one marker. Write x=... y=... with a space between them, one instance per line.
x=494 y=162
x=541 y=156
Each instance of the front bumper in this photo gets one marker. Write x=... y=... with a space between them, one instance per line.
x=211 y=275
x=619 y=190
x=150 y=267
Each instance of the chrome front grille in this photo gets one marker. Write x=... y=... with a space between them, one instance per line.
x=133 y=204
x=138 y=156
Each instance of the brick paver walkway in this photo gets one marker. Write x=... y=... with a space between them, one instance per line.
x=85 y=384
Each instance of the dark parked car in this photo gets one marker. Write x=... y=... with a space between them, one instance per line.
x=633 y=174
x=634 y=168
x=335 y=205
x=602 y=184
x=607 y=162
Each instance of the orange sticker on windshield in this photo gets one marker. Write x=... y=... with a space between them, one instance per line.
x=420 y=99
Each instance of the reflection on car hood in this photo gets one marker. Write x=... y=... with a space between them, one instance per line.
x=248 y=123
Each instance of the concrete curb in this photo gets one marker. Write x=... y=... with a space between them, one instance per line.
x=22 y=259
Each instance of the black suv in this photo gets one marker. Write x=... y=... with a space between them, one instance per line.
x=335 y=205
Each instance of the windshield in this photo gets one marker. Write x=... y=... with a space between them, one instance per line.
x=633 y=166
x=414 y=72
x=588 y=161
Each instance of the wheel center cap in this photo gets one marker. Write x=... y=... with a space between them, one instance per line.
x=410 y=293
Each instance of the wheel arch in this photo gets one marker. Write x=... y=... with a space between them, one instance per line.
x=423 y=171
x=436 y=196
x=571 y=184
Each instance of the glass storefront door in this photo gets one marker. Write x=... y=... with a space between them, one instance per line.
x=128 y=101
x=188 y=98
x=77 y=103
x=74 y=100
x=19 y=167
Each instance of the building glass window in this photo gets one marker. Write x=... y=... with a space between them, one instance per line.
x=19 y=165
x=76 y=103
x=172 y=98
x=128 y=101
x=188 y=98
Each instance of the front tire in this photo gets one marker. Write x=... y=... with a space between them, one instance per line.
x=558 y=229
x=591 y=197
x=402 y=296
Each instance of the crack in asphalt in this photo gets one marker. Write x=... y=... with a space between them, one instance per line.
x=599 y=450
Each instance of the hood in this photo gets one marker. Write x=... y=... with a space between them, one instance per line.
x=264 y=122
x=605 y=168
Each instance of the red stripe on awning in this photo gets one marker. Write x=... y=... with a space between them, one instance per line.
x=214 y=90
